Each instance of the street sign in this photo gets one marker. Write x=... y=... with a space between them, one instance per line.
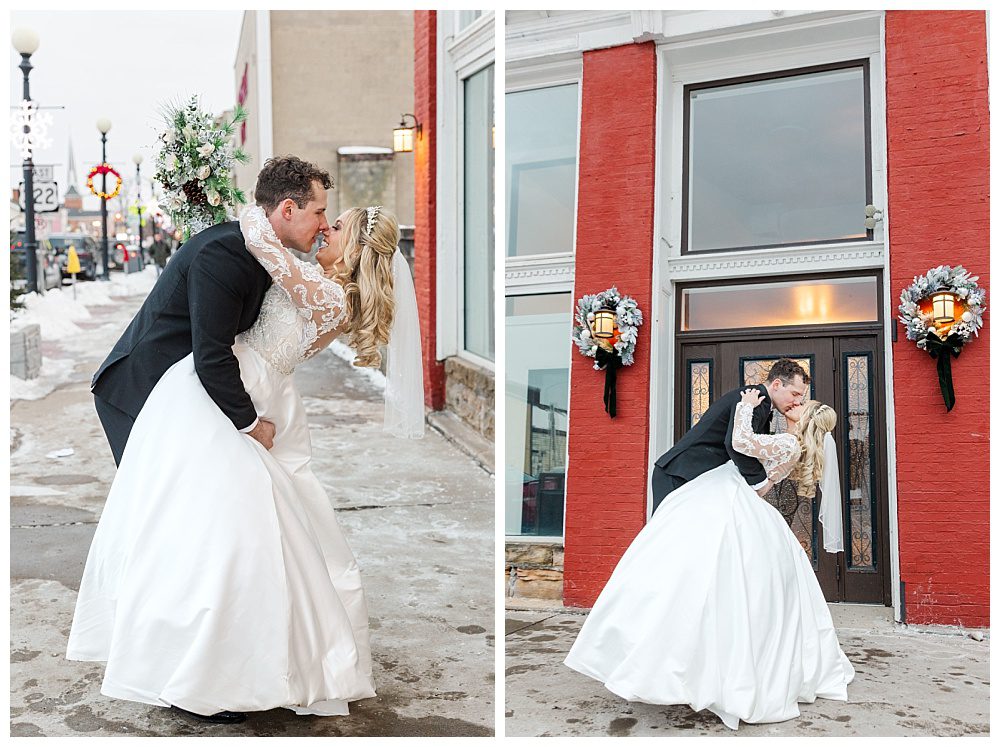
x=46 y=196
x=44 y=173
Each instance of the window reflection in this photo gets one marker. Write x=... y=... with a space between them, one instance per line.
x=792 y=303
x=537 y=391
x=541 y=170
x=778 y=161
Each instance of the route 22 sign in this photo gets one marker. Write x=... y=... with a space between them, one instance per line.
x=46 y=196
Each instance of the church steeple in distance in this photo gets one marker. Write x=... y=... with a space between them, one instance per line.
x=73 y=200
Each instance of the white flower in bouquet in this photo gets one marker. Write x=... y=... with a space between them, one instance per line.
x=171 y=162
x=213 y=197
x=169 y=137
x=189 y=133
x=204 y=172
x=206 y=150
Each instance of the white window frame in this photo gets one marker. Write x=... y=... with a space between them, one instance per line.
x=461 y=54
x=698 y=53
x=542 y=274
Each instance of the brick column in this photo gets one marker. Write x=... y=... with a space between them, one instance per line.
x=606 y=480
x=938 y=174
x=425 y=200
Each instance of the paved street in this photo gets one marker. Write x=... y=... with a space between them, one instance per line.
x=908 y=684
x=418 y=515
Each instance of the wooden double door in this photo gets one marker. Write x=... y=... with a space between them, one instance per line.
x=846 y=373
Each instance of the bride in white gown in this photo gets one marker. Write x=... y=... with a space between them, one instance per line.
x=715 y=604
x=218 y=578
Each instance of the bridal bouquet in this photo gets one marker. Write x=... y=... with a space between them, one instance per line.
x=195 y=166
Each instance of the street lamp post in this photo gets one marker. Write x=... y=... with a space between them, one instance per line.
x=26 y=42
x=103 y=126
x=137 y=160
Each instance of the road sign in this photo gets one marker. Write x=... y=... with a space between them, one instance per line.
x=44 y=173
x=46 y=196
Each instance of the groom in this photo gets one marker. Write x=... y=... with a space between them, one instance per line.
x=210 y=291
x=709 y=443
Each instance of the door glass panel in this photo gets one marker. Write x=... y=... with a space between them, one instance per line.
x=699 y=390
x=791 y=303
x=798 y=511
x=537 y=397
x=777 y=162
x=861 y=461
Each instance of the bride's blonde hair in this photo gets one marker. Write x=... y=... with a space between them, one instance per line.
x=816 y=421
x=367 y=282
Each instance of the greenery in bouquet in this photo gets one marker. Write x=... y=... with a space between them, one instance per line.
x=195 y=166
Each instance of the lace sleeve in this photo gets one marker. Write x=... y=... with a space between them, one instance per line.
x=777 y=452
x=318 y=298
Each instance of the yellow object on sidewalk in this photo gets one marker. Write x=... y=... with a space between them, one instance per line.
x=73 y=265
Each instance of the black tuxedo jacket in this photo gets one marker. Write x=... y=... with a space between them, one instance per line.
x=710 y=442
x=210 y=291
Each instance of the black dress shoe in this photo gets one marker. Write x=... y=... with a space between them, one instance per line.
x=222 y=717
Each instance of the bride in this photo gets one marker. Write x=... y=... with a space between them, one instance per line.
x=715 y=604
x=218 y=580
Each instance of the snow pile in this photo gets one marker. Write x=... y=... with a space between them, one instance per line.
x=346 y=353
x=56 y=312
x=55 y=372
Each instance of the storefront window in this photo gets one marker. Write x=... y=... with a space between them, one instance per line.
x=478 y=213
x=537 y=390
x=777 y=162
x=541 y=170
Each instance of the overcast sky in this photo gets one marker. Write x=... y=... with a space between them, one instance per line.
x=123 y=66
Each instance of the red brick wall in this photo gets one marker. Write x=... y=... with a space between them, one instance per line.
x=938 y=158
x=425 y=200
x=605 y=503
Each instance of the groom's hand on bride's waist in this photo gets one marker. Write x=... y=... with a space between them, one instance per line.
x=263 y=433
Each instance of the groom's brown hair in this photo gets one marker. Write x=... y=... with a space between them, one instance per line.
x=288 y=178
x=786 y=369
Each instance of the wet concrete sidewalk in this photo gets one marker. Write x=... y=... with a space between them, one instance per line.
x=907 y=684
x=418 y=515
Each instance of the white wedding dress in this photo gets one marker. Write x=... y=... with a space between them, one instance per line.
x=716 y=605
x=218 y=578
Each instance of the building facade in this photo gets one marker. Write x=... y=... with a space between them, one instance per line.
x=764 y=184
x=454 y=164
x=329 y=87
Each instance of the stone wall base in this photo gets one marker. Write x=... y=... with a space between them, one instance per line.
x=534 y=570
x=469 y=393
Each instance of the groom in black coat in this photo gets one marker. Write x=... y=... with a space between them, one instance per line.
x=210 y=291
x=709 y=443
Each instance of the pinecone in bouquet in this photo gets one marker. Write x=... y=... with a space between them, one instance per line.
x=194 y=164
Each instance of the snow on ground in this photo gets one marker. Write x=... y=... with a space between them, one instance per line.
x=342 y=351
x=56 y=311
x=55 y=373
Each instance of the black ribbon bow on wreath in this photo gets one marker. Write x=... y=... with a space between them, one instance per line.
x=943 y=350
x=610 y=362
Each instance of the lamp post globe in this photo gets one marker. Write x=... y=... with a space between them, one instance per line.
x=104 y=126
x=25 y=41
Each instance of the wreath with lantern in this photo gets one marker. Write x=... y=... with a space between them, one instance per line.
x=942 y=311
x=606 y=328
x=101 y=170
